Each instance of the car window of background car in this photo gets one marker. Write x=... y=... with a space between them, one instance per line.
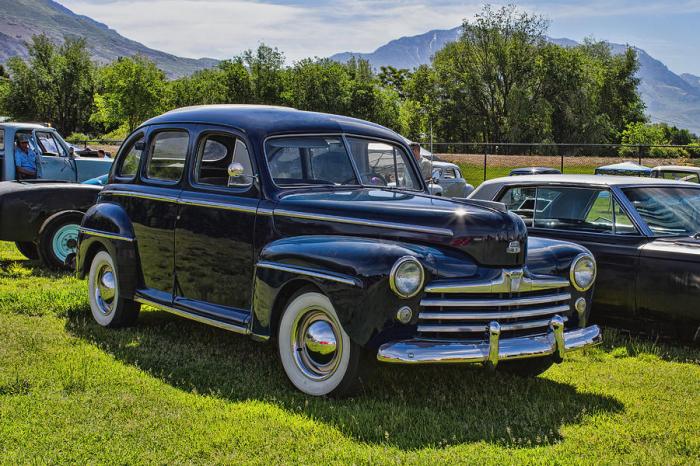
x=623 y=224
x=2 y=139
x=49 y=145
x=668 y=211
x=521 y=201
x=309 y=160
x=382 y=164
x=167 y=155
x=449 y=173
x=573 y=208
x=681 y=176
x=130 y=162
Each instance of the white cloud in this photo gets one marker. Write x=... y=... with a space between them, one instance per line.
x=222 y=29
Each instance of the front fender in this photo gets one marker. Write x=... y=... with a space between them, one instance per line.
x=352 y=272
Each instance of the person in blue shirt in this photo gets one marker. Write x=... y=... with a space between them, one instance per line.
x=27 y=162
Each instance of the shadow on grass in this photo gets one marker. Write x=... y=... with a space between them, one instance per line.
x=408 y=407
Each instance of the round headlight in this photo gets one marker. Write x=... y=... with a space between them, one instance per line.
x=406 y=277
x=583 y=271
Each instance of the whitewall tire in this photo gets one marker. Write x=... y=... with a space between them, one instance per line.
x=317 y=355
x=108 y=307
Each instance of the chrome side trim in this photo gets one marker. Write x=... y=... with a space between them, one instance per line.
x=556 y=341
x=104 y=234
x=510 y=281
x=152 y=197
x=542 y=311
x=526 y=301
x=217 y=205
x=195 y=317
x=367 y=223
x=310 y=273
x=440 y=328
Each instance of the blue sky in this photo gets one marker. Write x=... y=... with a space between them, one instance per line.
x=668 y=30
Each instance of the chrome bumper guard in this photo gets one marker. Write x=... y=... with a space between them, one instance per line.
x=554 y=343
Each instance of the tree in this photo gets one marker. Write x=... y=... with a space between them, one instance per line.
x=266 y=69
x=132 y=90
x=237 y=81
x=320 y=85
x=55 y=85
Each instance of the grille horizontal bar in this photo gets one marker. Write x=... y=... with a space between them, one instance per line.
x=537 y=312
x=521 y=301
x=438 y=328
x=509 y=281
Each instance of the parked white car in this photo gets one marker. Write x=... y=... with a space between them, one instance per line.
x=449 y=177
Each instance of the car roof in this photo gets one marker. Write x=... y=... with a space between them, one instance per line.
x=440 y=164
x=684 y=168
x=17 y=125
x=265 y=119
x=597 y=180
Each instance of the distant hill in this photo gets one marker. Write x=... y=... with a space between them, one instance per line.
x=669 y=97
x=21 y=19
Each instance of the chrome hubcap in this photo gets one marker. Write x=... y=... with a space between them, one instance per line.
x=316 y=344
x=105 y=289
x=64 y=241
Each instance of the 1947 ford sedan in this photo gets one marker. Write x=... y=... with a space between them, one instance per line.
x=317 y=231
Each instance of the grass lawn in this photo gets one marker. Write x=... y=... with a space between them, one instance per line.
x=174 y=391
x=474 y=174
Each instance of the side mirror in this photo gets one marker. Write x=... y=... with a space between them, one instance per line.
x=71 y=152
x=237 y=176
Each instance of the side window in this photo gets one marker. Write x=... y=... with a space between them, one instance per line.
x=130 y=158
x=214 y=154
x=167 y=155
x=449 y=174
x=601 y=213
x=521 y=201
x=2 y=138
x=623 y=224
x=48 y=144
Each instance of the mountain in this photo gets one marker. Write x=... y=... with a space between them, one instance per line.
x=21 y=19
x=669 y=97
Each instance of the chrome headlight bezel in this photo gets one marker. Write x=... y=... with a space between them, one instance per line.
x=572 y=271
x=396 y=269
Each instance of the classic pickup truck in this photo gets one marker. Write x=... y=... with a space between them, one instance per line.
x=316 y=231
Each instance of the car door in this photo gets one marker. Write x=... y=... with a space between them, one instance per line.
x=55 y=163
x=595 y=219
x=152 y=173
x=215 y=229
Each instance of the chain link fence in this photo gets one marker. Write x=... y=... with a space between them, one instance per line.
x=482 y=161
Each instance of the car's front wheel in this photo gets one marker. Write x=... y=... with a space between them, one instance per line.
x=59 y=239
x=317 y=355
x=109 y=308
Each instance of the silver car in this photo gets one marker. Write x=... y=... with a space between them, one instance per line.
x=449 y=178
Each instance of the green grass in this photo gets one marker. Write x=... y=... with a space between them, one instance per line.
x=474 y=174
x=174 y=391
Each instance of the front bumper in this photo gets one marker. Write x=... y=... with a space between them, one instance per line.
x=554 y=343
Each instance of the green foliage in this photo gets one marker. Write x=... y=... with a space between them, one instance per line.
x=55 y=85
x=132 y=89
x=641 y=134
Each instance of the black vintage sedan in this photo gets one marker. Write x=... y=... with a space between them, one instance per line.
x=317 y=231
x=644 y=233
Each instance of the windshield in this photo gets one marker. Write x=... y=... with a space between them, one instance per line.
x=324 y=160
x=668 y=211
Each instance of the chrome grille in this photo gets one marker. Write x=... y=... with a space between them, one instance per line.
x=520 y=304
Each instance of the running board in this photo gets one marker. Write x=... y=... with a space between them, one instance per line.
x=196 y=317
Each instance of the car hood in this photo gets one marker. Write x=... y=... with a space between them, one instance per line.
x=483 y=233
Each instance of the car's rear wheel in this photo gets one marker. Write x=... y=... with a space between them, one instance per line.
x=531 y=367
x=58 y=240
x=109 y=308
x=28 y=249
x=317 y=355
